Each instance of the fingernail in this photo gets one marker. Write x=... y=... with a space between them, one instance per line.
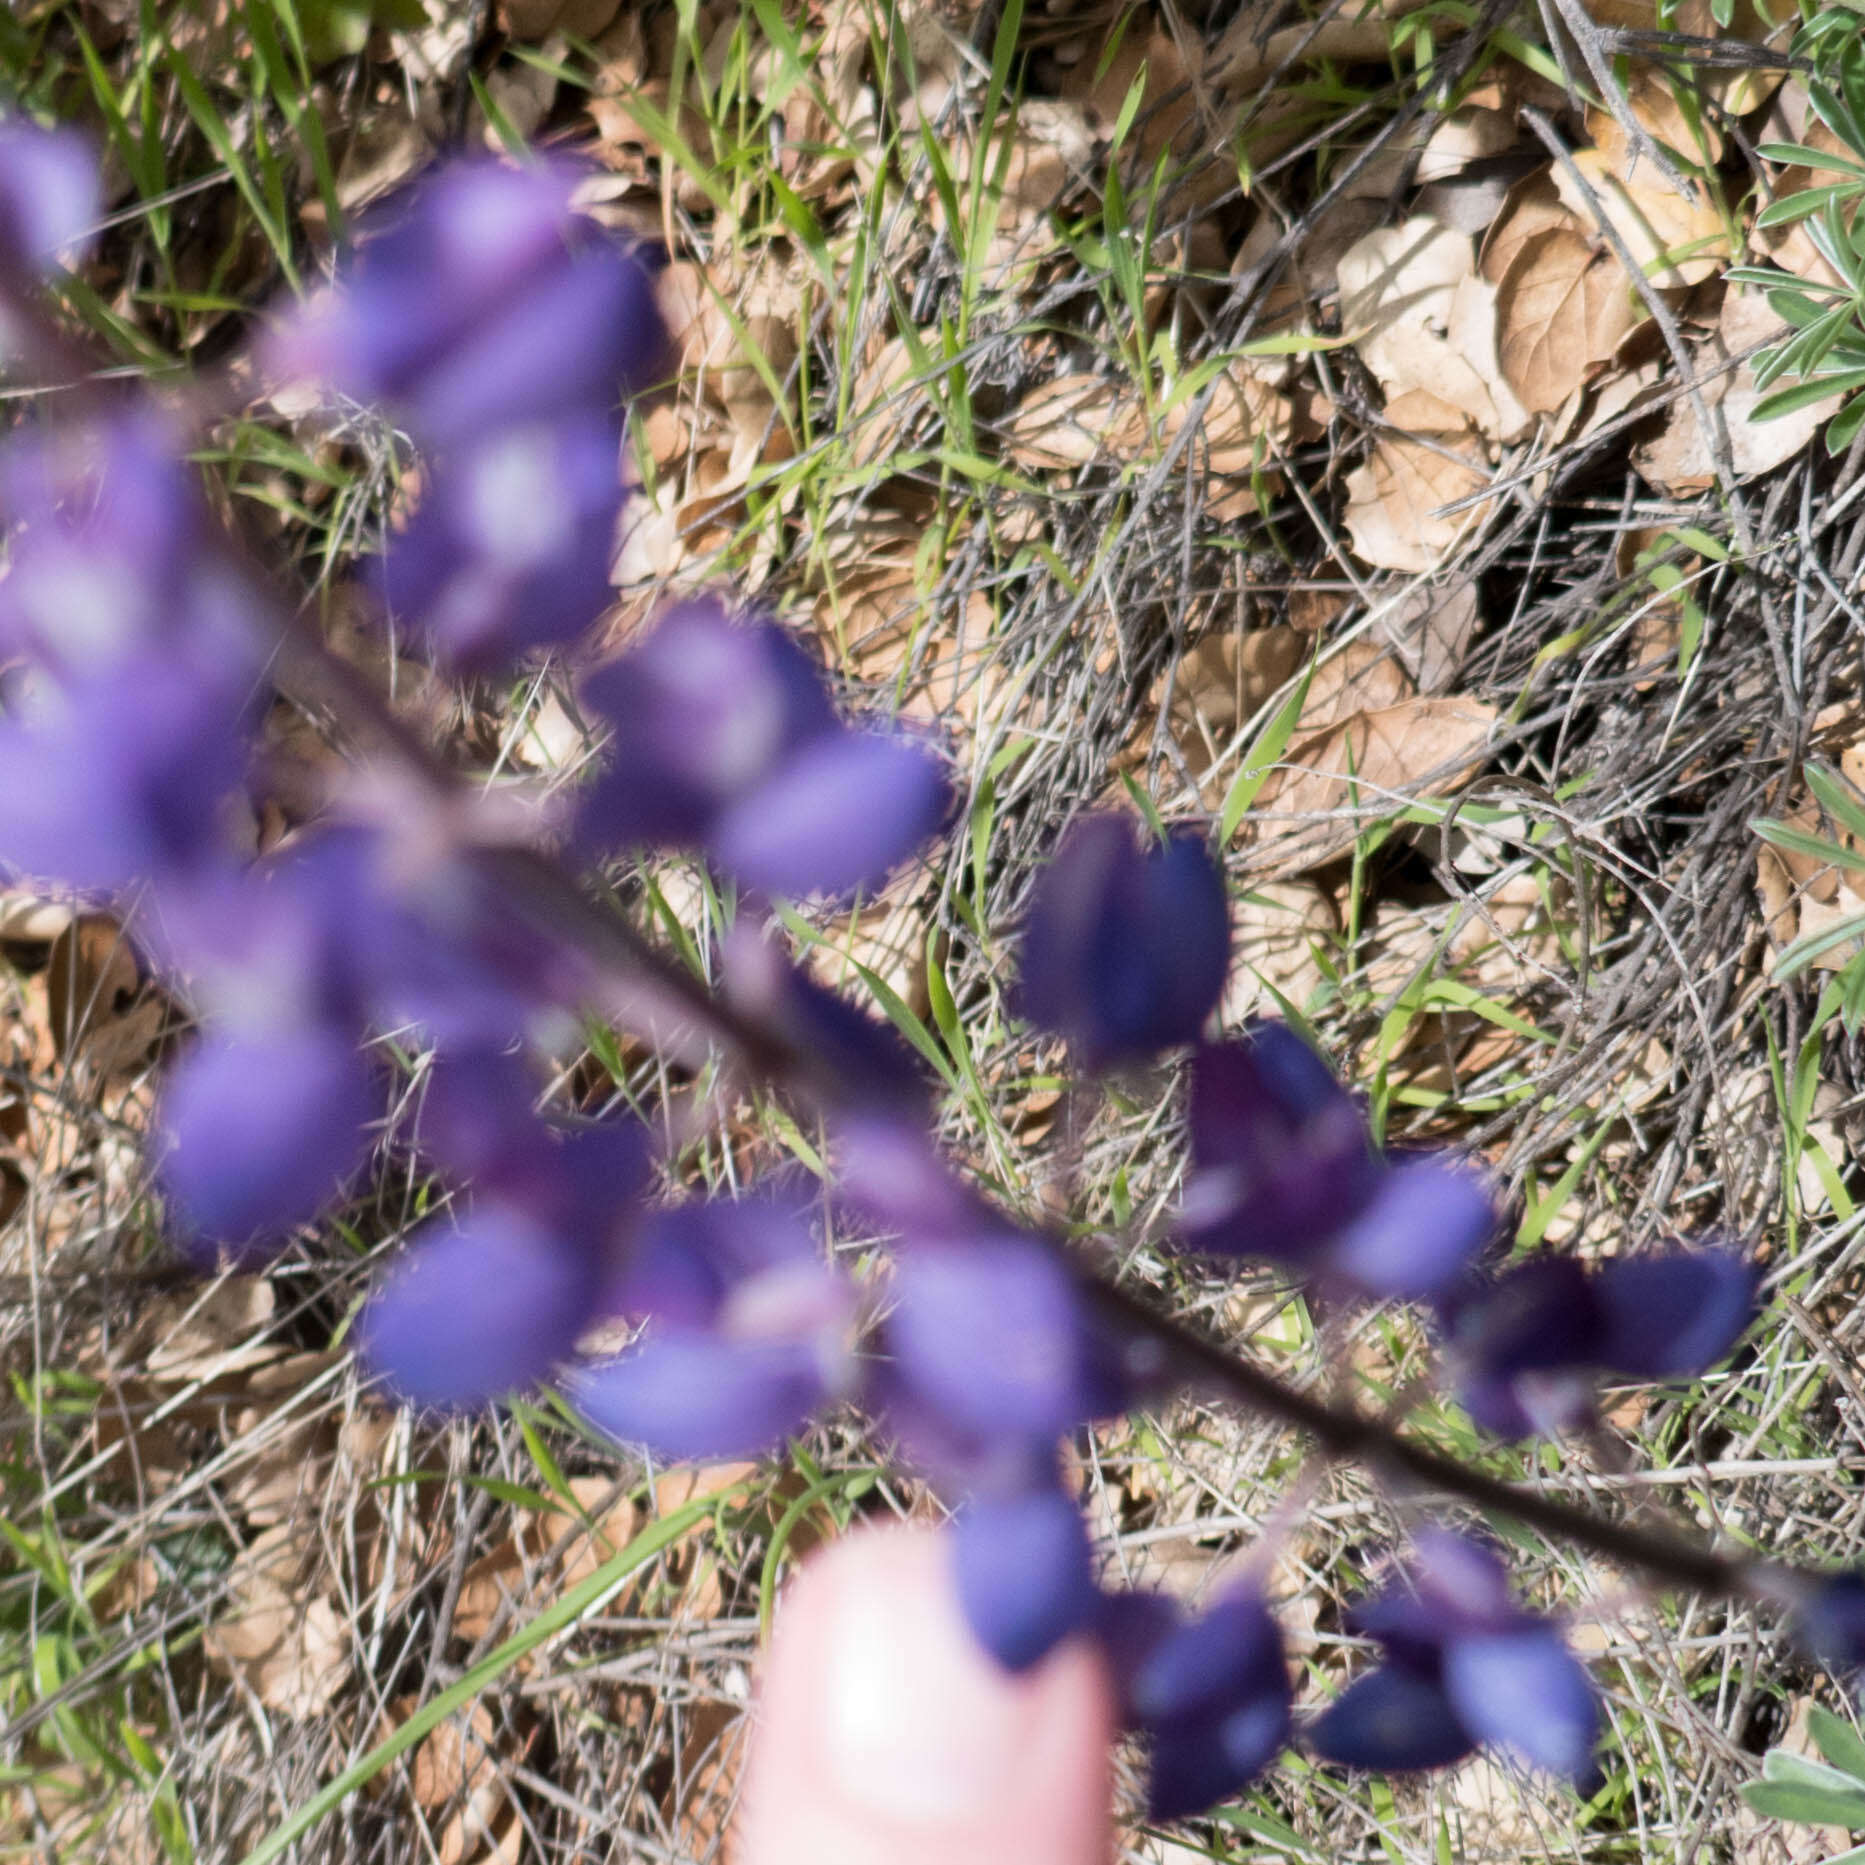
x=920 y=1726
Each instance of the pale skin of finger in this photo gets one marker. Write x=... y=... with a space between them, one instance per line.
x=884 y=1735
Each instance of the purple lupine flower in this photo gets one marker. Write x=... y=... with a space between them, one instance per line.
x=257 y=1133
x=1828 y=1618
x=113 y=557
x=509 y=548
x=1526 y=1348
x=1025 y=1572
x=1125 y=949
x=50 y=195
x=1465 y=1666
x=494 y=1304
x=726 y=741
x=1284 y=1169
x=1211 y=1693
x=483 y=302
x=749 y=1331
x=119 y=779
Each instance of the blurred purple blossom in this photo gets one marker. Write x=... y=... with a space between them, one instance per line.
x=481 y=300
x=491 y=1304
x=1125 y=949
x=1024 y=1571
x=726 y=741
x=1465 y=1666
x=1210 y=1692
x=51 y=196
x=1284 y=1169
x=510 y=545
x=749 y=1331
x=1525 y=1348
x=255 y=1134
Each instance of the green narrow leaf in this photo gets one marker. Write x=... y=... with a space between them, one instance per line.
x=1261 y=758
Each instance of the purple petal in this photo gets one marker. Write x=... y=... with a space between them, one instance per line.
x=894 y=1176
x=704 y=711
x=1527 y=1692
x=1228 y=1655
x=1130 y=1627
x=990 y=1334
x=1454 y=1585
x=121 y=778
x=837 y=815
x=51 y=195
x=1829 y=1619
x=509 y=549
x=470 y=1315
x=257 y=1136
x=1420 y=1231
x=585 y=333
x=1202 y=1761
x=1391 y=1719
x=1025 y=1579
x=698 y=1395
x=1520 y=1346
x=1281 y=1154
x=1673 y=1316
x=1125 y=950
x=484 y=301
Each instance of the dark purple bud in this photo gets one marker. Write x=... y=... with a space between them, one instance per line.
x=837 y=815
x=1201 y=1762
x=705 y=710
x=1674 y=1315
x=1025 y=1579
x=1130 y=1627
x=1420 y=1230
x=1525 y=1691
x=1829 y=1619
x=1229 y=1653
x=1392 y=1719
x=989 y=1333
x=474 y=1314
x=1125 y=949
x=256 y=1136
x=1281 y=1157
x=486 y=303
x=50 y=195
x=510 y=547
x=1514 y=1345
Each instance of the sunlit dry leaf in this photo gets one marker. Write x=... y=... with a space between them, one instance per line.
x=1276 y=930
x=103 y=1013
x=1392 y=514
x=1424 y=322
x=1361 y=767
x=1562 y=309
x=1533 y=207
x=1222 y=681
x=1070 y=421
x=1674 y=239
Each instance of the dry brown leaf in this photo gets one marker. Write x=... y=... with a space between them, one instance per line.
x=1562 y=307
x=290 y=1647
x=1674 y=239
x=1651 y=96
x=1276 y=930
x=102 y=1011
x=1419 y=744
x=1392 y=514
x=1070 y=421
x=1533 y=207
x=1220 y=682
x=505 y=1573
x=1431 y=629
x=1423 y=321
